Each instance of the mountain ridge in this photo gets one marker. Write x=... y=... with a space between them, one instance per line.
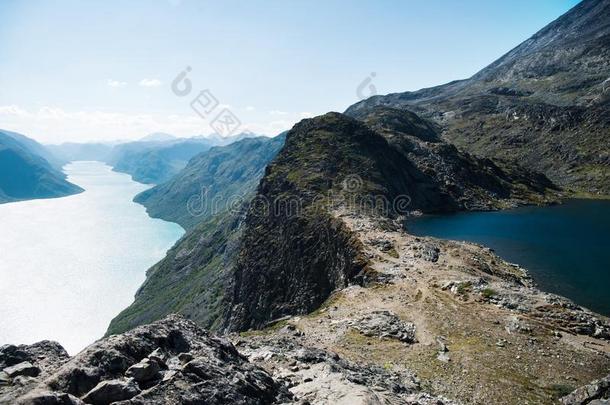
x=545 y=103
x=310 y=170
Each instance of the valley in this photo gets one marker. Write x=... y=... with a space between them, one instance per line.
x=423 y=248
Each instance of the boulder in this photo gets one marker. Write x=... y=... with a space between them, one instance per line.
x=145 y=370
x=385 y=324
x=169 y=361
x=24 y=368
x=110 y=391
x=596 y=392
x=46 y=355
x=49 y=398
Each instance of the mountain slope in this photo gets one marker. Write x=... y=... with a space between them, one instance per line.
x=320 y=258
x=155 y=161
x=158 y=157
x=193 y=277
x=26 y=175
x=295 y=251
x=289 y=252
x=211 y=181
x=35 y=148
x=545 y=103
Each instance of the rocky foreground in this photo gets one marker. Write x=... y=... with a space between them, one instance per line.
x=436 y=322
x=172 y=361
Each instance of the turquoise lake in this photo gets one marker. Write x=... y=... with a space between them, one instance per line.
x=565 y=248
x=69 y=265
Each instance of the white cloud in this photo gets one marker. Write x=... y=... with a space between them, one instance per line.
x=115 y=83
x=250 y=108
x=12 y=110
x=305 y=114
x=277 y=112
x=55 y=125
x=150 y=83
x=51 y=124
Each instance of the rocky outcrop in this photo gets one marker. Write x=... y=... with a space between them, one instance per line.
x=170 y=361
x=322 y=377
x=385 y=324
x=544 y=104
x=175 y=362
x=22 y=365
x=595 y=393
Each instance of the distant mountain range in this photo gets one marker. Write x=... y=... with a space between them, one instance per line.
x=545 y=104
x=152 y=159
x=31 y=170
x=154 y=162
x=71 y=151
x=28 y=170
x=157 y=137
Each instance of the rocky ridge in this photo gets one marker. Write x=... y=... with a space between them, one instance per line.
x=388 y=165
x=483 y=332
x=285 y=253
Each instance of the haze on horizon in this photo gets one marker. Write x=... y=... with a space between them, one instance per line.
x=101 y=71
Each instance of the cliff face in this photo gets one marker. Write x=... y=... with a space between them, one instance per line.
x=545 y=103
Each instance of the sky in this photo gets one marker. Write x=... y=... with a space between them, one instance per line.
x=82 y=71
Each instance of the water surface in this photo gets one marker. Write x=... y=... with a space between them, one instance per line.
x=565 y=248
x=69 y=265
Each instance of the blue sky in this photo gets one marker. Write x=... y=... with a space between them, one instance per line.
x=101 y=70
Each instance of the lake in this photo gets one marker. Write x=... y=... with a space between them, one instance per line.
x=69 y=265
x=565 y=248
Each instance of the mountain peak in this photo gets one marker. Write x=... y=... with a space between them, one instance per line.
x=532 y=104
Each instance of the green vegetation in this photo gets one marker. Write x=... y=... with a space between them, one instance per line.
x=393 y=253
x=464 y=288
x=488 y=293
x=560 y=390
